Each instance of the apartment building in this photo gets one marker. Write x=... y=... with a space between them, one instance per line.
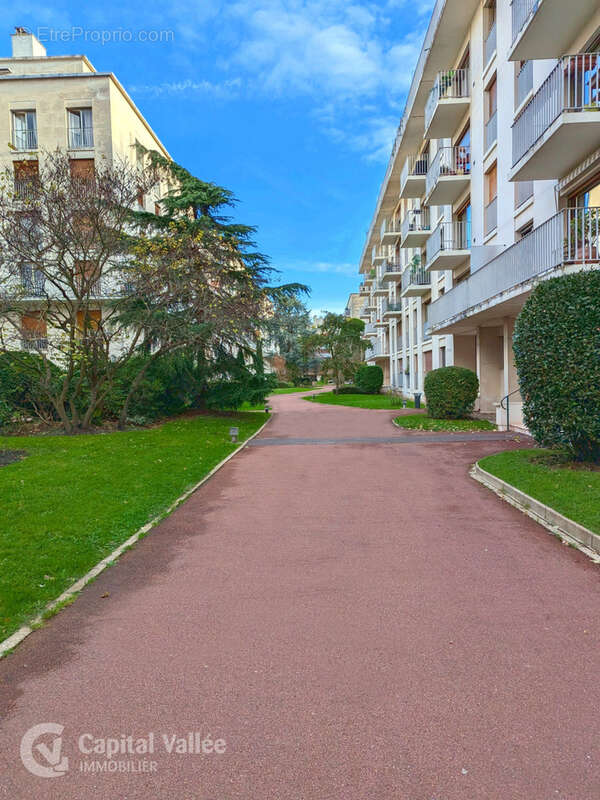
x=354 y=305
x=493 y=185
x=50 y=102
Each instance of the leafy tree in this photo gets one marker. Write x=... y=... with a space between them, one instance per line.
x=117 y=290
x=286 y=331
x=340 y=342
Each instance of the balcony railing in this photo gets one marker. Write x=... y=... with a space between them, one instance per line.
x=570 y=237
x=81 y=138
x=416 y=220
x=522 y=11
x=524 y=81
x=25 y=139
x=32 y=282
x=396 y=306
x=390 y=227
x=449 y=236
x=491 y=216
x=25 y=188
x=394 y=267
x=451 y=84
x=574 y=85
x=415 y=276
x=490 y=45
x=35 y=343
x=449 y=161
x=414 y=167
x=491 y=131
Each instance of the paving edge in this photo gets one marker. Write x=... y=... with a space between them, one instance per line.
x=570 y=532
x=17 y=637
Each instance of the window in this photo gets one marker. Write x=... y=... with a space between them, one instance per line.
x=81 y=134
x=24 y=130
x=524 y=231
x=82 y=169
x=491 y=201
x=87 y=278
x=88 y=320
x=588 y=197
x=491 y=108
x=26 y=178
x=442 y=356
x=463 y=230
x=34 y=331
x=32 y=281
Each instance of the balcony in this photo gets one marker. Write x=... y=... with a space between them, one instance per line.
x=26 y=189
x=412 y=180
x=448 y=102
x=449 y=175
x=392 y=272
x=394 y=309
x=81 y=138
x=380 y=254
x=570 y=238
x=416 y=281
x=524 y=82
x=546 y=28
x=381 y=321
x=25 y=139
x=560 y=125
x=33 y=282
x=449 y=246
x=380 y=289
x=390 y=232
x=37 y=343
x=379 y=350
x=370 y=330
x=415 y=228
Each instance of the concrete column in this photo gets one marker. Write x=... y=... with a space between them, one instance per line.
x=490 y=367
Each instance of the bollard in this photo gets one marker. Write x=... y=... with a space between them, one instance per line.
x=417 y=399
x=234 y=433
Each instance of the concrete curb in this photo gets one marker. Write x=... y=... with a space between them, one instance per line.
x=570 y=532
x=17 y=637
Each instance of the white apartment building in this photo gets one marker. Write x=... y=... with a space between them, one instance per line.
x=50 y=102
x=493 y=185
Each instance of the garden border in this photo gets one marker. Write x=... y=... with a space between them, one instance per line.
x=8 y=644
x=566 y=529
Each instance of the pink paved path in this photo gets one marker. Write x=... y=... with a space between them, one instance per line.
x=357 y=621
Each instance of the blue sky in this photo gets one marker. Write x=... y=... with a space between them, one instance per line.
x=291 y=104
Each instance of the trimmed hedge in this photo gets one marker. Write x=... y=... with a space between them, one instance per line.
x=451 y=392
x=557 y=354
x=369 y=378
x=350 y=390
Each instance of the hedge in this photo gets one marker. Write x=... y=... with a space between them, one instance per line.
x=451 y=392
x=369 y=378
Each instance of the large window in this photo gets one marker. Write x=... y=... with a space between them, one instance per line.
x=24 y=130
x=81 y=132
x=589 y=197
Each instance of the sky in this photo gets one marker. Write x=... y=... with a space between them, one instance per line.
x=291 y=104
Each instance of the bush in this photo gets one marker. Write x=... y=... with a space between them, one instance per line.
x=350 y=390
x=557 y=354
x=284 y=385
x=369 y=379
x=451 y=392
x=20 y=386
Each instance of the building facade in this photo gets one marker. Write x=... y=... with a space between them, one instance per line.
x=493 y=185
x=50 y=102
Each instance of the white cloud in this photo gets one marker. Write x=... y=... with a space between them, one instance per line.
x=328 y=267
x=222 y=90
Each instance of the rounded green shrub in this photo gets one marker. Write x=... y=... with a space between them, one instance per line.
x=350 y=390
x=451 y=392
x=557 y=354
x=369 y=378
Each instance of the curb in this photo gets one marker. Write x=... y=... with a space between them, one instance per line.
x=23 y=632
x=566 y=529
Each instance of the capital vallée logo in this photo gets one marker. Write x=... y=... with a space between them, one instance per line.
x=44 y=758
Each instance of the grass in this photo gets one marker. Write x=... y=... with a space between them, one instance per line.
x=294 y=390
x=361 y=400
x=571 y=489
x=420 y=422
x=73 y=499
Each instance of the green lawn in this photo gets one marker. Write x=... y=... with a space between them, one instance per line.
x=572 y=491
x=421 y=422
x=73 y=499
x=295 y=390
x=360 y=400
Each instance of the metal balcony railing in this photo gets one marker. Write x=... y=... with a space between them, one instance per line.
x=391 y=266
x=522 y=11
x=570 y=237
x=32 y=282
x=524 y=81
x=449 y=236
x=390 y=226
x=25 y=188
x=573 y=85
x=415 y=276
x=34 y=343
x=490 y=45
x=491 y=216
x=491 y=131
x=450 y=84
x=395 y=306
x=25 y=139
x=417 y=219
x=448 y=161
x=81 y=138
x=414 y=166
